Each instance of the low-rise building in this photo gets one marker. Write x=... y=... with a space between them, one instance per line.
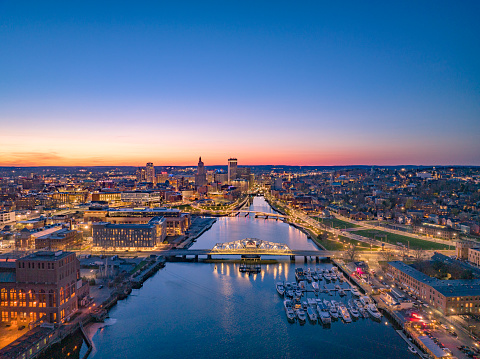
x=436 y=230
x=7 y=217
x=451 y=297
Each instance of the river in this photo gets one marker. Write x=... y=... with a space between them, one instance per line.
x=210 y=310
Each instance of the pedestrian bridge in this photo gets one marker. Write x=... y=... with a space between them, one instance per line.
x=257 y=214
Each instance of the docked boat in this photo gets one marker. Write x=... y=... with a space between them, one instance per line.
x=355 y=292
x=301 y=315
x=373 y=311
x=363 y=312
x=344 y=313
x=358 y=304
x=323 y=314
x=280 y=288
x=342 y=293
x=315 y=286
x=311 y=314
x=327 y=277
x=301 y=284
x=412 y=349
x=312 y=302
x=333 y=312
x=337 y=287
x=315 y=277
x=365 y=300
x=341 y=277
x=309 y=278
x=299 y=274
x=287 y=305
x=353 y=312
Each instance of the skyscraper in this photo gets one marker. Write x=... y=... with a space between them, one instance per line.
x=201 y=176
x=232 y=169
x=150 y=173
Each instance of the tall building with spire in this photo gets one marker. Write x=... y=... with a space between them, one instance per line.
x=201 y=176
x=232 y=169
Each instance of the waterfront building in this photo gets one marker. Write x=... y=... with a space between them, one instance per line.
x=201 y=176
x=176 y=221
x=129 y=236
x=150 y=173
x=40 y=287
x=451 y=297
x=232 y=169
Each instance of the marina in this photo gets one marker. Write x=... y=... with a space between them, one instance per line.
x=304 y=294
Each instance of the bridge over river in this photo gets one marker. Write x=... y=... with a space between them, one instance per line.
x=250 y=248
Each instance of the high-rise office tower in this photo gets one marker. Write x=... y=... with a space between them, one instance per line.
x=201 y=176
x=232 y=169
x=150 y=173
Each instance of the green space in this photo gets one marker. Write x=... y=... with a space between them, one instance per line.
x=361 y=245
x=336 y=223
x=393 y=238
x=182 y=206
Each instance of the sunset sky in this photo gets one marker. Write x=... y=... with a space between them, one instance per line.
x=316 y=83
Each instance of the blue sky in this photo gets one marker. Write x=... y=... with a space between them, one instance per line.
x=270 y=82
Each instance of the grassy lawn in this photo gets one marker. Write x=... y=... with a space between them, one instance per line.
x=361 y=245
x=337 y=223
x=182 y=206
x=394 y=238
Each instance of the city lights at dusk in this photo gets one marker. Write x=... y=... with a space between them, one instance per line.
x=239 y=179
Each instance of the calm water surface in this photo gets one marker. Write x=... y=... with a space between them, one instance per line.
x=210 y=310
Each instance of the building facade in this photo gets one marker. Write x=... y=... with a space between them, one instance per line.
x=177 y=222
x=451 y=297
x=129 y=236
x=232 y=169
x=43 y=286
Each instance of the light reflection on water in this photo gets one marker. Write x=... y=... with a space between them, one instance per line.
x=212 y=310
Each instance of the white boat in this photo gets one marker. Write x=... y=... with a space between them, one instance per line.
x=323 y=313
x=280 y=288
x=311 y=314
x=337 y=287
x=373 y=311
x=341 y=277
x=358 y=304
x=315 y=286
x=412 y=349
x=327 y=277
x=354 y=312
x=298 y=293
x=312 y=302
x=344 y=313
x=301 y=315
x=333 y=276
x=301 y=284
x=315 y=277
x=309 y=278
x=333 y=312
x=363 y=312
x=365 y=300
x=287 y=305
x=342 y=293
x=355 y=292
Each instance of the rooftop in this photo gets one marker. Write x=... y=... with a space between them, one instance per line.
x=47 y=256
x=448 y=288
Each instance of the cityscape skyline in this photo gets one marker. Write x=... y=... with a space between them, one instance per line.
x=296 y=85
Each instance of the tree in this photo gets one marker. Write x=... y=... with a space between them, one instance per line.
x=409 y=203
x=351 y=253
x=323 y=236
x=419 y=254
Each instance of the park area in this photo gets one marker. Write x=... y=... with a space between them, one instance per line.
x=336 y=223
x=394 y=238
